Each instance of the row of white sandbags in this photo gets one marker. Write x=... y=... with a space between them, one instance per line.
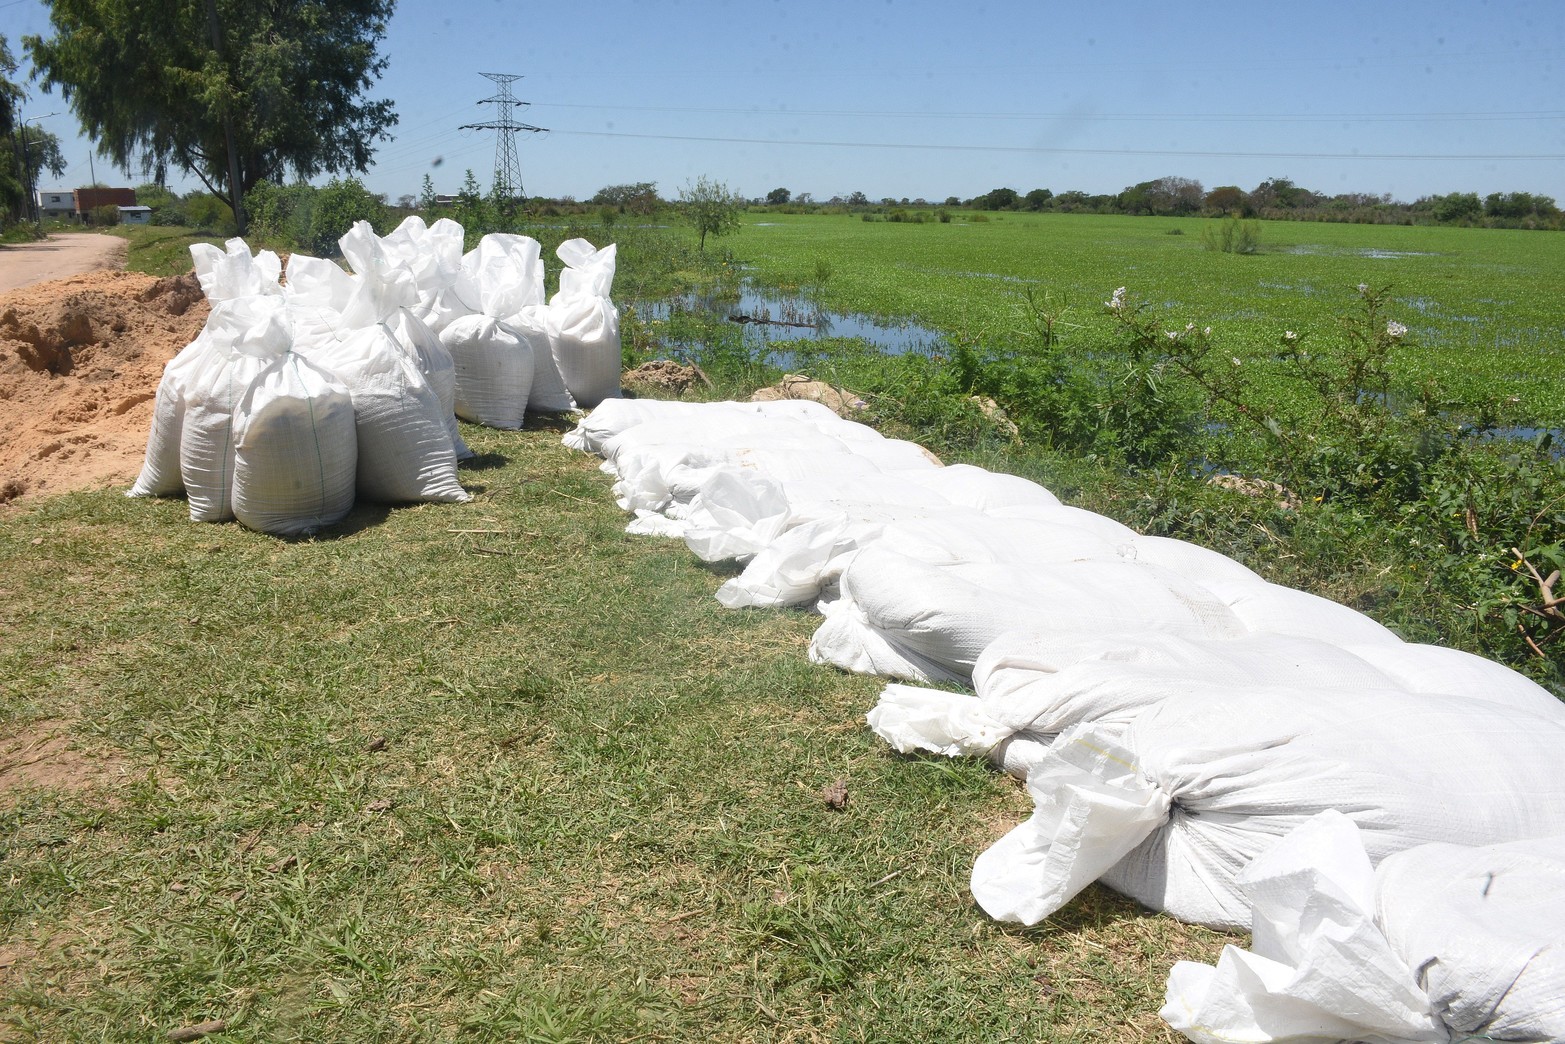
x=1206 y=712
x=1437 y=944
x=926 y=586
x=513 y=351
x=281 y=420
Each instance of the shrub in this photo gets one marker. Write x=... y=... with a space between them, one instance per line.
x=1232 y=236
x=208 y=213
x=337 y=207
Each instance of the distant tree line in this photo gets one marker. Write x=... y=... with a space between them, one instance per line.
x=1274 y=199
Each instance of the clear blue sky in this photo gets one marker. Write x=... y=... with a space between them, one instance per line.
x=921 y=99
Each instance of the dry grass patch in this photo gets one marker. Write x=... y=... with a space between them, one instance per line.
x=46 y=756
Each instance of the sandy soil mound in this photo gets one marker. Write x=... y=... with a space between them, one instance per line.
x=80 y=361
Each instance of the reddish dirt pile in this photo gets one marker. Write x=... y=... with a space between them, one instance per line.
x=80 y=361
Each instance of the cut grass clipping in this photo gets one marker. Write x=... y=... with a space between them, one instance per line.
x=492 y=770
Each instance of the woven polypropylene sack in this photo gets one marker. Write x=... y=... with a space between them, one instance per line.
x=296 y=450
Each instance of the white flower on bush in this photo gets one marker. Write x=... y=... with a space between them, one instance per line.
x=1173 y=335
x=1289 y=335
x=1117 y=302
x=1395 y=330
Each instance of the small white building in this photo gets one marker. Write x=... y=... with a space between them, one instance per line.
x=56 y=203
x=135 y=215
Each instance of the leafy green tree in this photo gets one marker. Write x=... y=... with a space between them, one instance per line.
x=1458 y=206
x=778 y=196
x=710 y=208
x=640 y=197
x=337 y=207
x=12 y=188
x=230 y=91
x=1225 y=200
x=426 y=195
x=997 y=199
x=1037 y=199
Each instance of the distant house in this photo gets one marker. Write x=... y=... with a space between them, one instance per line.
x=88 y=199
x=135 y=215
x=444 y=200
x=56 y=203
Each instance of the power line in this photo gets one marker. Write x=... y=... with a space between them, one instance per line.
x=1159 y=117
x=507 y=168
x=1047 y=150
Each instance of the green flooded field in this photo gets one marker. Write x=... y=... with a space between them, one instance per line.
x=1483 y=308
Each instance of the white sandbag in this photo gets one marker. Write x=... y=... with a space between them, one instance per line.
x=1037 y=684
x=1044 y=683
x=803 y=484
x=224 y=275
x=1191 y=561
x=983 y=490
x=317 y=293
x=917 y=720
x=1066 y=514
x=386 y=291
x=494 y=362
x=433 y=254
x=404 y=448
x=583 y=324
x=909 y=620
x=1239 y=769
x=160 y=474
x=439 y=369
x=548 y=393
x=1433 y=668
x=242 y=336
x=800 y=565
x=1484 y=929
x=296 y=451
x=1283 y=610
x=232 y=273
x=1319 y=970
x=494 y=371
x=1441 y=942
x=614 y=416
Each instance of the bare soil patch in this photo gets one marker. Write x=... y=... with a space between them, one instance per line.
x=80 y=361
x=42 y=756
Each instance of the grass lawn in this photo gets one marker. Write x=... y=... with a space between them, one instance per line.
x=492 y=770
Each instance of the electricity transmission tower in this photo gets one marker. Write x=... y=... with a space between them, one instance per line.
x=507 y=168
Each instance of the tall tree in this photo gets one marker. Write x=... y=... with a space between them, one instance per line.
x=230 y=91
x=12 y=187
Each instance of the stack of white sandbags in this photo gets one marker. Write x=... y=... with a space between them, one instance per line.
x=361 y=330
x=1440 y=943
x=291 y=403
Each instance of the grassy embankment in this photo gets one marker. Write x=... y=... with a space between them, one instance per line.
x=497 y=769
x=491 y=770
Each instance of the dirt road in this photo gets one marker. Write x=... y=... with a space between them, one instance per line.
x=62 y=254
